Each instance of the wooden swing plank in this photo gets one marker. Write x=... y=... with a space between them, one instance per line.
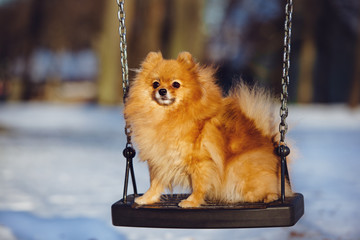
x=166 y=214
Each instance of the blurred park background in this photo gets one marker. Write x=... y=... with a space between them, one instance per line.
x=68 y=51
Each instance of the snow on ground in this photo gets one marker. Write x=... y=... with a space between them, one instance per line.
x=61 y=168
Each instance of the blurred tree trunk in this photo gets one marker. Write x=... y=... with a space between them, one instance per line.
x=354 y=96
x=166 y=26
x=33 y=33
x=307 y=54
x=146 y=32
x=109 y=79
x=187 y=29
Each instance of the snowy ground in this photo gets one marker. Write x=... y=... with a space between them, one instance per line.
x=61 y=168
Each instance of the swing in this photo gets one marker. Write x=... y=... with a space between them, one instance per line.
x=167 y=214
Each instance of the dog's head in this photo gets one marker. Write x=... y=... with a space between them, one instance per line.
x=178 y=86
x=170 y=82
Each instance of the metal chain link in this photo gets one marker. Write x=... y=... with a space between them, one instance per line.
x=283 y=126
x=123 y=46
x=124 y=62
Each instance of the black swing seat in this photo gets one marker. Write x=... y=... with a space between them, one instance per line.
x=167 y=214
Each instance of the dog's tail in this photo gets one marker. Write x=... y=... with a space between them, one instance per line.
x=258 y=105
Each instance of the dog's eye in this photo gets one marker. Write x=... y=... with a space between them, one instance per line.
x=155 y=84
x=176 y=84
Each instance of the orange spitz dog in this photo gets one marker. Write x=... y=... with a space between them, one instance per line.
x=222 y=148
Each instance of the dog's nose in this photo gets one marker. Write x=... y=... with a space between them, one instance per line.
x=162 y=92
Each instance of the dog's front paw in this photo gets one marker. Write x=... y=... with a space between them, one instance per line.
x=145 y=200
x=271 y=197
x=189 y=204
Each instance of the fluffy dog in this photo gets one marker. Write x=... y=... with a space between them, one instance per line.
x=222 y=148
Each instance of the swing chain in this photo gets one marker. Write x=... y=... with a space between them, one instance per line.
x=129 y=151
x=123 y=47
x=283 y=150
x=128 y=136
x=283 y=126
x=124 y=62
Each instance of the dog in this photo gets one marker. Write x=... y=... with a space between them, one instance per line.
x=221 y=148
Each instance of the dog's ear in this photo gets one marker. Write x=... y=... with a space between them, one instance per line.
x=151 y=60
x=186 y=59
x=153 y=57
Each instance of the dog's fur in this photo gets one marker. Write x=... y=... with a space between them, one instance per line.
x=220 y=147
